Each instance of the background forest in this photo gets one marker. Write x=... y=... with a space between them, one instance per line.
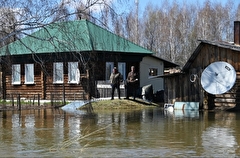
x=171 y=29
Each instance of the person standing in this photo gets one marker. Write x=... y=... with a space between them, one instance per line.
x=132 y=83
x=115 y=80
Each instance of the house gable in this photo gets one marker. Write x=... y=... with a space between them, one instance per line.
x=212 y=57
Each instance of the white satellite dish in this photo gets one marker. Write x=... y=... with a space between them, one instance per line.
x=218 y=77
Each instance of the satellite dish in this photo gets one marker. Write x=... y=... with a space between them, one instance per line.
x=218 y=78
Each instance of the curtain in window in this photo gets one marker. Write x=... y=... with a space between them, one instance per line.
x=16 y=74
x=122 y=69
x=58 y=72
x=73 y=72
x=29 y=73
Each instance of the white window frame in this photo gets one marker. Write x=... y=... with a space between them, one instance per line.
x=29 y=73
x=73 y=73
x=122 y=69
x=58 y=73
x=16 y=74
x=108 y=70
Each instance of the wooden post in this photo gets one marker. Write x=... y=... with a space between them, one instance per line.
x=33 y=99
x=19 y=102
x=51 y=99
x=43 y=84
x=12 y=100
x=38 y=99
x=64 y=101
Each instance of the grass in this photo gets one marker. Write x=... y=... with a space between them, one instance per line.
x=119 y=104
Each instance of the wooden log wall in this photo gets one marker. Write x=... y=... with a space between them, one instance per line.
x=44 y=86
x=27 y=91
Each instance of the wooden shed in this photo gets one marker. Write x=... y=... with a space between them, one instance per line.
x=186 y=85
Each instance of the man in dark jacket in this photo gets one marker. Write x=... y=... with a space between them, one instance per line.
x=115 y=80
x=132 y=83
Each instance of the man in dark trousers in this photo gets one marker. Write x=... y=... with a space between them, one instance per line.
x=115 y=79
x=132 y=83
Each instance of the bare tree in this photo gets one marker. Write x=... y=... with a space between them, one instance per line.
x=62 y=13
x=172 y=30
x=6 y=25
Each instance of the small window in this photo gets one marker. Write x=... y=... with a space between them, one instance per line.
x=73 y=72
x=29 y=73
x=16 y=74
x=109 y=68
x=58 y=72
x=153 y=72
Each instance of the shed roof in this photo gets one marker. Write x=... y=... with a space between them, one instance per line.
x=227 y=45
x=71 y=36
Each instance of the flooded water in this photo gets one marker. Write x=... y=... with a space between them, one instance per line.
x=151 y=132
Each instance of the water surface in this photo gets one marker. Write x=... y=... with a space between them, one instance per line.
x=151 y=132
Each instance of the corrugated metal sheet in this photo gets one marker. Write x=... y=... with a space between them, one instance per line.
x=71 y=36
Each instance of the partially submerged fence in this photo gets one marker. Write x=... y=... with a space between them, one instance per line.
x=18 y=102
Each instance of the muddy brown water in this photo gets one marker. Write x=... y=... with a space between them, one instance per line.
x=150 y=132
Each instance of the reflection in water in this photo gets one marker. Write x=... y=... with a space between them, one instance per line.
x=118 y=133
x=222 y=139
x=182 y=113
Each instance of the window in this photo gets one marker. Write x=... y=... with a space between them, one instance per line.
x=29 y=73
x=58 y=72
x=153 y=72
x=16 y=74
x=73 y=72
x=122 y=69
x=109 y=68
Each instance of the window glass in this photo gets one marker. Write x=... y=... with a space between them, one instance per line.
x=16 y=74
x=73 y=72
x=122 y=69
x=29 y=73
x=153 y=72
x=109 y=68
x=58 y=72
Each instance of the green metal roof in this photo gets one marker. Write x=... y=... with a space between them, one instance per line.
x=71 y=36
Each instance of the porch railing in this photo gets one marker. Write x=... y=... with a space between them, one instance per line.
x=104 y=89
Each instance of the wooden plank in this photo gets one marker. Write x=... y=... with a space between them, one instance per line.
x=224 y=100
